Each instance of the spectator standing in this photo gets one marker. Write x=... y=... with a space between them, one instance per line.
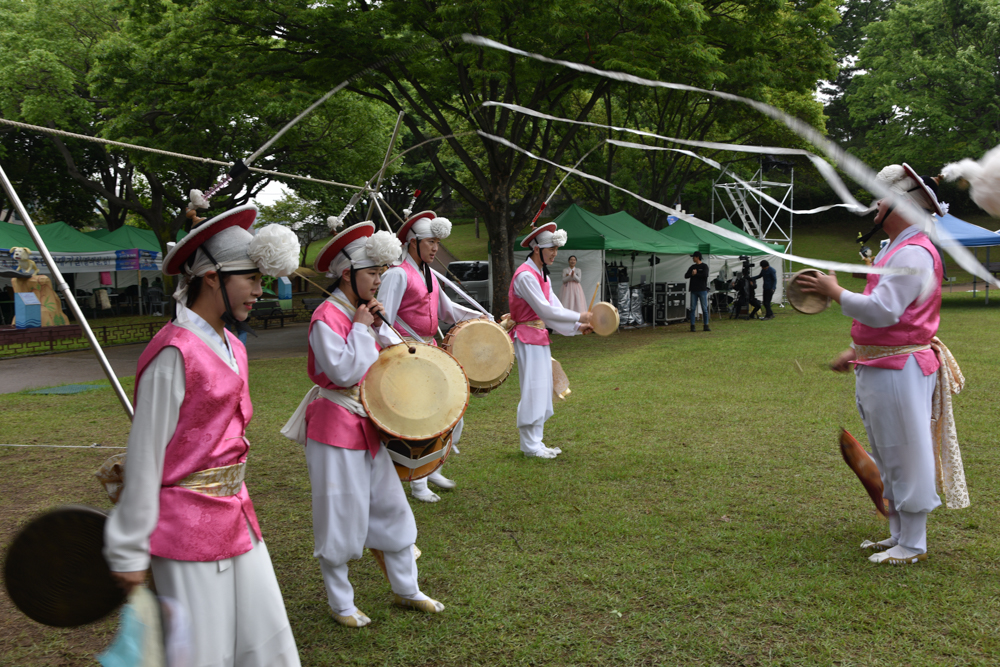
x=698 y=286
x=770 y=284
x=572 y=295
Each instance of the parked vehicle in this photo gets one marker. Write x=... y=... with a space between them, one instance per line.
x=473 y=278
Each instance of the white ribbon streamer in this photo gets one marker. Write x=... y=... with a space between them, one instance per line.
x=760 y=193
x=733 y=236
x=853 y=167
x=828 y=173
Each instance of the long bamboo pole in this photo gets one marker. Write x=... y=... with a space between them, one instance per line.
x=63 y=287
x=385 y=164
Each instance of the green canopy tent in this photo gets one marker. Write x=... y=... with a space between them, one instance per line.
x=723 y=253
x=83 y=254
x=592 y=239
x=133 y=237
x=725 y=224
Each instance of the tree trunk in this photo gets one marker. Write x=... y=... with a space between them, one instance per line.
x=501 y=255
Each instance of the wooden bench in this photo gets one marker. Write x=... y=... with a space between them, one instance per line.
x=267 y=313
x=312 y=304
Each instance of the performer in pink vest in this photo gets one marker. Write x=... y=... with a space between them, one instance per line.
x=903 y=371
x=534 y=307
x=185 y=510
x=414 y=301
x=357 y=499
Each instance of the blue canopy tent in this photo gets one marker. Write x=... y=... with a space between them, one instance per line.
x=971 y=236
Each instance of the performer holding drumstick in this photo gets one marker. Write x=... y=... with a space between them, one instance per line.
x=357 y=498
x=533 y=307
x=184 y=509
x=902 y=372
x=412 y=298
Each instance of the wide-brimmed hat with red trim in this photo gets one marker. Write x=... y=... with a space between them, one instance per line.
x=546 y=236
x=241 y=216
x=339 y=242
x=922 y=191
x=405 y=229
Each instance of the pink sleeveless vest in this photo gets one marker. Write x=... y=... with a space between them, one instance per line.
x=328 y=422
x=520 y=311
x=419 y=308
x=918 y=324
x=210 y=428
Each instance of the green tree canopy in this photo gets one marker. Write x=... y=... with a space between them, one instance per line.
x=735 y=46
x=930 y=93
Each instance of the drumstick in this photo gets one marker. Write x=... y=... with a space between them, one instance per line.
x=595 y=296
x=411 y=349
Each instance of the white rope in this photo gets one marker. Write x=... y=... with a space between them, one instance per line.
x=853 y=167
x=760 y=193
x=182 y=156
x=733 y=236
x=821 y=165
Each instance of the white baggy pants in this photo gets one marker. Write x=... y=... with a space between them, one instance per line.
x=895 y=407
x=534 y=372
x=235 y=607
x=358 y=502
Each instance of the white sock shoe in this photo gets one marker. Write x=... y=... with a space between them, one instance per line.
x=881 y=545
x=439 y=480
x=543 y=453
x=419 y=490
x=356 y=619
x=898 y=555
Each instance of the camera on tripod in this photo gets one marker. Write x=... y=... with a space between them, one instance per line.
x=747 y=264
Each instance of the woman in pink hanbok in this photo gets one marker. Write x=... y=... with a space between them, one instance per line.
x=571 y=294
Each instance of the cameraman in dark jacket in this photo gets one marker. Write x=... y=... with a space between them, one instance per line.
x=698 y=274
x=770 y=284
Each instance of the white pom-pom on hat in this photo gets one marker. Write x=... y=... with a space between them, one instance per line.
x=983 y=178
x=334 y=223
x=383 y=248
x=275 y=251
x=198 y=199
x=559 y=238
x=440 y=228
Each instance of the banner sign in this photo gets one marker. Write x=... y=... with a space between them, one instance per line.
x=91 y=262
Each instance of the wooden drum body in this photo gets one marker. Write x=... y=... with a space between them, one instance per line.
x=415 y=400
x=485 y=352
x=806 y=302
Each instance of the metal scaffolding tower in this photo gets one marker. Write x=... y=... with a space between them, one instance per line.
x=758 y=217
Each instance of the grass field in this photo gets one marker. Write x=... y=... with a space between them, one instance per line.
x=700 y=515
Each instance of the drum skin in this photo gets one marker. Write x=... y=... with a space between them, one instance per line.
x=604 y=319
x=806 y=303
x=415 y=400
x=55 y=571
x=864 y=467
x=485 y=351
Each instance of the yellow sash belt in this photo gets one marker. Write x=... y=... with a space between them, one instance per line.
x=872 y=352
x=216 y=482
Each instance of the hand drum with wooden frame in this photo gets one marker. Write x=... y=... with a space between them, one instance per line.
x=806 y=303
x=485 y=351
x=604 y=319
x=55 y=571
x=415 y=400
